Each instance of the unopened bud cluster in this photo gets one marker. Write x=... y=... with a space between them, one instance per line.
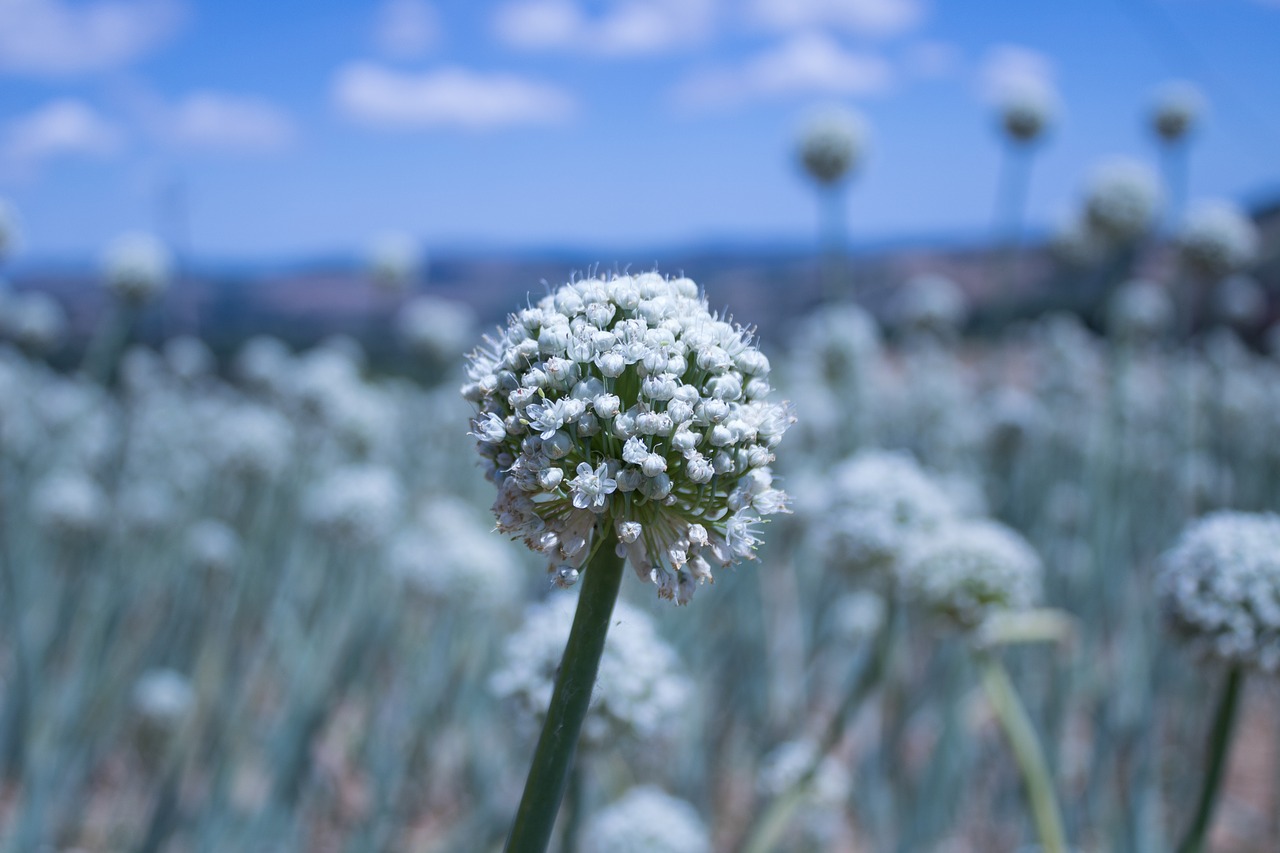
x=625 y=404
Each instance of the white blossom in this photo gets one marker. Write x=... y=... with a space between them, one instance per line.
x=647 y=820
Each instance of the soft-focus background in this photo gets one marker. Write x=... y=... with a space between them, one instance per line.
x=250 y=595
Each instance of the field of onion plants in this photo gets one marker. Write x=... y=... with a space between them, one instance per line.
x=1016 y=593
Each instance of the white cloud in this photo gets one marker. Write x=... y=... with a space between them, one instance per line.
x=455 y=97
x=406 y=29
x=1009 y=68
x=61 y=128
x=931 y=60
x=625 y=28
x=54 y=38
x=862 y=17
x=217 y=120
x=803 y=65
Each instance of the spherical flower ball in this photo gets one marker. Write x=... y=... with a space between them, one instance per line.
x=929 y=303
x=395 y=261
x=838 y=342
x=641 y=690
x=967 y=571
x=137 y=267
x=251 y=442
x=1140 y=310
x=784 y=766
x=213 y=547
x=450 y=556
x=1122 y=200
x=434 y=329
x=37 y=323
x=858 y=616
x=1027 y=110
x=189 y=358
x=1218 y=238
x=624 y=406
x=70 y=505
x=1240 y=301
x=264 y=364
x=1176 y=110
x=354 y=505
x=831 y=144
x=1220 y=588
x=163 y=697
x=878 y=501
x=1072 y=243
x=647 y=820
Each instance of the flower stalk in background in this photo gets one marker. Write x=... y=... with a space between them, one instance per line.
x=831 y=147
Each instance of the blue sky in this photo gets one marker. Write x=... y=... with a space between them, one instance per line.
x=306 y=128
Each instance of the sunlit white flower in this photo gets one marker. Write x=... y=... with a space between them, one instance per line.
x=189 y=358
x=1027 y=110
x=641 y=691
x=625 y=401
x=831 y=144
x=966 y=571
x=1220 y=588
x=1176 y=110
x=1218 y=238
x=1123 y=200
x=647 y=820
x=137 y=267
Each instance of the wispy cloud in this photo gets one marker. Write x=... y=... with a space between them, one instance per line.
x=447 y=97
x=406 y=29
x=1009 y=68
x=625 y=28
x=215 y=120
x=61 y=128
x=55 y=38
x=862 y=17
x=806 y=64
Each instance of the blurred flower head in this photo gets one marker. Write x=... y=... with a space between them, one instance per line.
x=1220 y=588
x=647 y=820
x=1123 y=200
x=136 y=268
x=832 y=144
x=1218 y=238
x=1176 y=110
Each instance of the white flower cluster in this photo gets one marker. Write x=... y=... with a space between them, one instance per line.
x=966 y=571
x=1140 y=310
x=1240 y=301
x=784 y=766
x=137 y=267
x=625 y=403
x=1220 y=587
x=647 y=820
x=640 y=690
x=878 y=502
x=435 y=329
x=355 y=504
x=163 y=697
x=70 y=505
x=1176 y=110
x=1218 y=238
x=831 y=144
x=394 y=262
x=1027 y=110
x=1123 y=200
x=213 y=546
x=449 y=555
x=35 y=321
x=929 y=303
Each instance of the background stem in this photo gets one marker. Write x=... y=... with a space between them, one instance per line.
x=1219 y=746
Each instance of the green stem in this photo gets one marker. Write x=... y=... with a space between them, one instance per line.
x=1219 y=747
x=549 y=773
x=1028 y=753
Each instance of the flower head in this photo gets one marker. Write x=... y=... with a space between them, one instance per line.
x=1218 y=238
x=1026 y=110
x=1122 y=201
x=831 y=144
x=1176 y=110
x=969 y=570
x=1220 y=587
x=648 y=820
x=137 y=267
x=624 y=404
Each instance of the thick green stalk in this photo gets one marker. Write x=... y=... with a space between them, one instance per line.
x=1028 y=753
x=1219 y=747
x=549 y=775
